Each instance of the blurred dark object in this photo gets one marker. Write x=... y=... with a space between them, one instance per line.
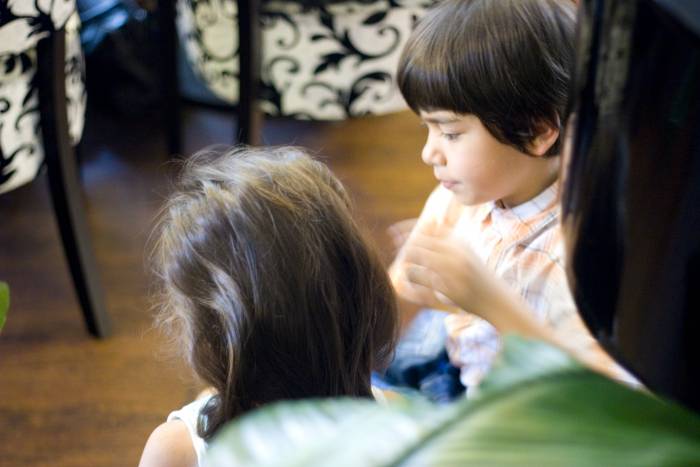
x=632 y=200
x=120 y=42
x=148 y=5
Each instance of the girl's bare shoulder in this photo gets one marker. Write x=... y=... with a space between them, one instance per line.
x=169 y=445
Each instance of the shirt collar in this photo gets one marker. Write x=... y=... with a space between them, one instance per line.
x=533 y=214
x=533 y=208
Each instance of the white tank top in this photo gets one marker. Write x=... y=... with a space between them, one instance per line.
x=189 y=414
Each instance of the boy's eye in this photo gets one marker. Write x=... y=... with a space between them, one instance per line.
x=451 y=136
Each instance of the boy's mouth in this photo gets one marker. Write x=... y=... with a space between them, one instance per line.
x=448 y=184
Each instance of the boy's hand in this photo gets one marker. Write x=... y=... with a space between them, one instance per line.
x=400 y=231
x=403 y=234
x=454 y=274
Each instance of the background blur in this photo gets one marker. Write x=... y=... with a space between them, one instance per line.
x=68 y=399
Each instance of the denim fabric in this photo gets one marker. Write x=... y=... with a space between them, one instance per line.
x=420 y=363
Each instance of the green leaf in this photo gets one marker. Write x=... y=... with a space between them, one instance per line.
x=537 y=407
x=318 y=432
x=525 y=359
x=573 y=419
x=4 y=303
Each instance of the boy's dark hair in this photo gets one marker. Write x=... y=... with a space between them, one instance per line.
x=272 y=290
x=508 y=62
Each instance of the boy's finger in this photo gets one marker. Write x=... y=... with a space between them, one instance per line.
x=439 y=230
x=399 y=239
x=402 y=227
x=432 y=244
x=429 y=282
x=425 y=257
x=431 y=228
x=400 y=231
x=422 y=294
x=419 y=275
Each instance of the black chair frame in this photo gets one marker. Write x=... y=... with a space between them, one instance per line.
x=250 y=42
x=64 y=182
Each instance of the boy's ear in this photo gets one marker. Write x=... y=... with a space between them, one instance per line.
x=546 y=136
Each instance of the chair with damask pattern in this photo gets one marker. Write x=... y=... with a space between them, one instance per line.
x=308 y=59
x=42 y=106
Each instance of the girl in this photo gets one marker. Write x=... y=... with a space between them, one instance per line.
x=269 y=286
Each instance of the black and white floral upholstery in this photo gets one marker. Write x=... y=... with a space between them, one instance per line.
x=22 y=24
x=324 y=63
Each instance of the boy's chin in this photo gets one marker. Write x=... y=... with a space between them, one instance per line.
x=469 y=199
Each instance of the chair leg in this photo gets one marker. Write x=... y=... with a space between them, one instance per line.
x=168 y=66
x=66 y=195
x=249 y=54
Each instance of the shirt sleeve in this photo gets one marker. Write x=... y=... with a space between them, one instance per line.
x=472 y=345
x=538 y=274
x=545 y=288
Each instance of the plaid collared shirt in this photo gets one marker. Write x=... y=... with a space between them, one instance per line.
x=524 y=246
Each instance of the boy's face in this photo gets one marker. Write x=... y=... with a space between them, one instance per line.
x=474 y=165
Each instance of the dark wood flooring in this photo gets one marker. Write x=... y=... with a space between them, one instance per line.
x=67 y=399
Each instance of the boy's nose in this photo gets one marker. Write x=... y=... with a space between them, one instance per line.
x=431 y=154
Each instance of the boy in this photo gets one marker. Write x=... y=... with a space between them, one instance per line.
x=490 y=81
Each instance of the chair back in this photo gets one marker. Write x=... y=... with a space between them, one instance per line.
x=22 y=25
x=321 y=59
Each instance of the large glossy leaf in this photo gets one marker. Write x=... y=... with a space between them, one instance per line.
x=537 y=407
x=4 y=303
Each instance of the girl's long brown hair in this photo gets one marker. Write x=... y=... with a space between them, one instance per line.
x=268 y=282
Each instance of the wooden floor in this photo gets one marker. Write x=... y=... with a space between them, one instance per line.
x=69 y=400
